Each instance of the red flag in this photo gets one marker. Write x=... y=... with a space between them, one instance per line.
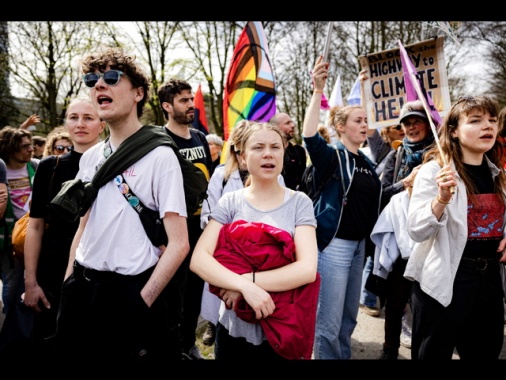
x=200 y=121
x=410 y=87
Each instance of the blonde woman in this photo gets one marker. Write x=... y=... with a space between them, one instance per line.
x=230 y=176
x=346 y=211
x=48 y=238
x=275 y=208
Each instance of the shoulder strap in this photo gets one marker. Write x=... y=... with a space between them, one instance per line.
x=31 y=171
x=398 y=159
x=130 y=197
x=330 y=174
x=138 y=206
x=200 y=135
x=345 y=197
x=130 y=151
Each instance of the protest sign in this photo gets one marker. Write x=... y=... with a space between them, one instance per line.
x=384 y=89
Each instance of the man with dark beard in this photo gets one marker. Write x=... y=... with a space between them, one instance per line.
x=295 y=154
x=185 y=289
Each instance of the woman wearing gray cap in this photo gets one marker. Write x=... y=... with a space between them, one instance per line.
x=399 y=174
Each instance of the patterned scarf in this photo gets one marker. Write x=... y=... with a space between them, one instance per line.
x=413 y=155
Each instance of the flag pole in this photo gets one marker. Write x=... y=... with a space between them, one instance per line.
x=327 y=42
x=421 y=96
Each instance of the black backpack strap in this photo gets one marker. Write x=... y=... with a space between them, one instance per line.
x=331 y=173
x=200 y=135
x=150 y=219
x=130 y=151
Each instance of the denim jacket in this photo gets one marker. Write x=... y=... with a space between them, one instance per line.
x=328 y=207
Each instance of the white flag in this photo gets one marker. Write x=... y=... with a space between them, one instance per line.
x=354 y=95
x=336 y=98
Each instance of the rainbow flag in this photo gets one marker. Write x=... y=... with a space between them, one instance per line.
x=200 y=121
x=250 y=91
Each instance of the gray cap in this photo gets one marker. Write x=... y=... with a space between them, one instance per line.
x=419 y=114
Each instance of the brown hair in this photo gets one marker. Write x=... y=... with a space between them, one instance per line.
x=324 y=132
x=116 y=59
x=450 y=146
x=167 y=91
x=10 y=138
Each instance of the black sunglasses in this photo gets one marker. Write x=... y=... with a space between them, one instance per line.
x=398 y=127
x=61 y=148
x=111 y=78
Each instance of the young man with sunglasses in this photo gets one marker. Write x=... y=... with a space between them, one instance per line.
x=112 y=310
x=176 y=98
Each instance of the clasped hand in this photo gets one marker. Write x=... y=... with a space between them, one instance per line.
x=258 y=299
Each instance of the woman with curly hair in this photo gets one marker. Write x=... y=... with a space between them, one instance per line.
x=58 y=142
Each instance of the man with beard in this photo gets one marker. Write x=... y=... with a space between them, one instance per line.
x=185 y=289
x=295 y=154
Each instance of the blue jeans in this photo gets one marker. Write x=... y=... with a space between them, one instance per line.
x=340 y=267
x=13 y=282
x=366 y=297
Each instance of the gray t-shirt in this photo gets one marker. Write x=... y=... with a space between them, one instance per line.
x=296 y=210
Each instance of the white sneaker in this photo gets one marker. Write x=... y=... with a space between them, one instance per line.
x=405 y=333
x=405 y=340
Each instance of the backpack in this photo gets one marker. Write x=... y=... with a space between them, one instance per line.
x=308 y=183
x=195 y=181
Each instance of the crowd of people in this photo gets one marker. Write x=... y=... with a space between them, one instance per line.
x=409 y=224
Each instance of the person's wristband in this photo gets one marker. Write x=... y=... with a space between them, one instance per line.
x=253 y=276
x=445 y=203
x=318 y=91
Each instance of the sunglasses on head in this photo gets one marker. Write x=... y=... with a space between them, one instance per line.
x=111 y=78
x=464 y=99
x=25 y=146
x=62 y=148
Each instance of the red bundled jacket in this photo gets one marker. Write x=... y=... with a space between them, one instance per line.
x=250 y=246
